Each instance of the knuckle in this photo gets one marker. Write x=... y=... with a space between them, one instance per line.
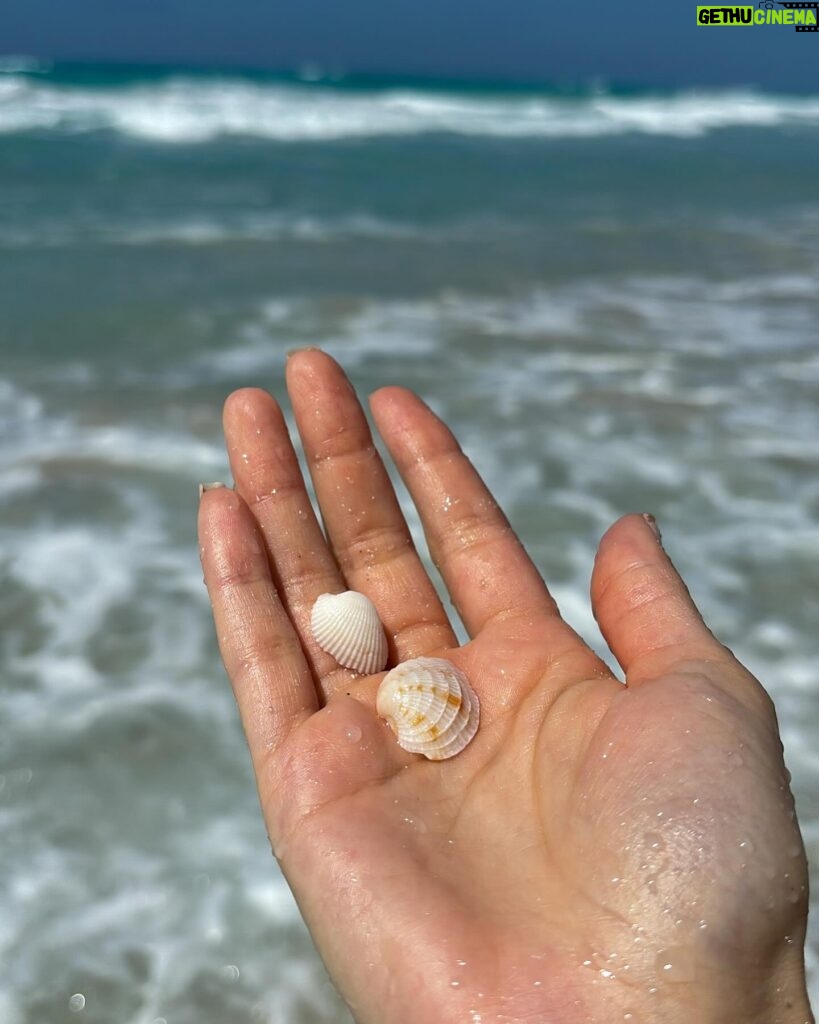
x=237 y=574
x=634 y=585
x=443 y=451
x=318 y=580
x=348 y=441
x=267 y=490
x=259 y=658
x=424 y=635
x=375 y=545
x=470 y=532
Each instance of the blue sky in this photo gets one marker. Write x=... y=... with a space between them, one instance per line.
x=653 y=42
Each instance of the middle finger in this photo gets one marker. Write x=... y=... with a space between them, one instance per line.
x=364 y=523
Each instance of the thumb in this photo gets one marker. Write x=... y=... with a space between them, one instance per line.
x=641 y=604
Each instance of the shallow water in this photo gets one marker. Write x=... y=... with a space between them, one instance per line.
x=611 y=298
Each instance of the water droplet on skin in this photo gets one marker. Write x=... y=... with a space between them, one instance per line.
x=675 y=965
x=746 y=846
x=353 y=734
x=454 y=983
x=77 y=1002
x=702 y=925
x=655 y=841
x=461 y=963
x=735 y=759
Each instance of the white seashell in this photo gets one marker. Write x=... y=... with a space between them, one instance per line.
x=430 y=706
x=348 y=627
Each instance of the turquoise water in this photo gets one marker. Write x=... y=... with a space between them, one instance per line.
x=612 y=297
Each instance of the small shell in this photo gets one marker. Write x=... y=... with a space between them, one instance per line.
x=430 y=706
x=348 y=627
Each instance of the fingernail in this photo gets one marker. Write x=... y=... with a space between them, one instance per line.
x=208 y=487
x=651 y=523
x=304 y=348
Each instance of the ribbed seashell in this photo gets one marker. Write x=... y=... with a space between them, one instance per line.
x=348 y=627
x=430 y=706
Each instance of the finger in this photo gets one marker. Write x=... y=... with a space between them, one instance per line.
x=484 y=565
x=264 y=660
x=364 y=523
x=268 y=477
x=641 y=604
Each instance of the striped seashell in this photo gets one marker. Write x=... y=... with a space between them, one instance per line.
x=348 y=627
x=430 y=706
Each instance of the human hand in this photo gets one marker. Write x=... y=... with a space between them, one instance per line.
x=600 y=852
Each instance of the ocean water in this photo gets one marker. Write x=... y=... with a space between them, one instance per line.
x=612 y=296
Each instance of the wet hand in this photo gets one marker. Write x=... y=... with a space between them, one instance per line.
x=600 y=852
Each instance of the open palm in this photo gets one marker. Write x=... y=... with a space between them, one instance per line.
x=600 y=852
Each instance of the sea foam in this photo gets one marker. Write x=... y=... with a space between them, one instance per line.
x=187 y=110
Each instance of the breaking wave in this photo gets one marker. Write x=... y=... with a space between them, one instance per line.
x=188 y=109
